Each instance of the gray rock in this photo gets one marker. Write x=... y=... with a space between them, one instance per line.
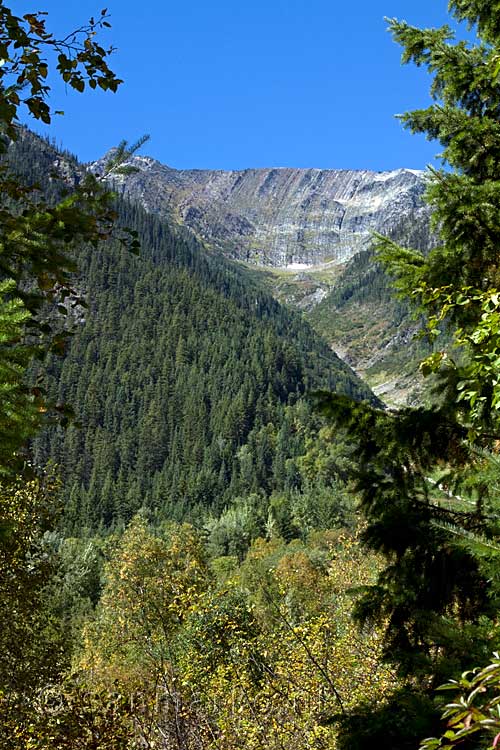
x=279 y=217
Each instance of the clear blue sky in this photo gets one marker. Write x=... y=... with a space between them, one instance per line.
x=250 y=83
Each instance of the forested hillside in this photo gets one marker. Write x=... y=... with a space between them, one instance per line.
x=307 y=234
x=353 y=306
x=364 y=322
x=185 y=377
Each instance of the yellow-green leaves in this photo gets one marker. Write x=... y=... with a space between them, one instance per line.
x=268 y=657
x=152 y=583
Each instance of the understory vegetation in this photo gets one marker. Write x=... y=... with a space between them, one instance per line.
x=187 y=650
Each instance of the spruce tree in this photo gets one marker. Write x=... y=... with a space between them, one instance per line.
x=427 y=475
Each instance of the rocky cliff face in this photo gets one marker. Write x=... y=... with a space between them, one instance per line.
x=306 y=229
x=280 y=217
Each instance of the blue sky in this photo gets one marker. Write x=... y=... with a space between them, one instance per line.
x=230 y=85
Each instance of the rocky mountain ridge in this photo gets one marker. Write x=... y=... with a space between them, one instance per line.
x=281 y=217
x=306 y=235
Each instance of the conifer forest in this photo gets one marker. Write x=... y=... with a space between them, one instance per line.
x=215 y=533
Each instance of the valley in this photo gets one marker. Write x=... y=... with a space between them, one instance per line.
x=305 y=235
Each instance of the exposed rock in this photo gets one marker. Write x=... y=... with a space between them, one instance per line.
x=311 y=226
x=313 y=299
x=279 y=217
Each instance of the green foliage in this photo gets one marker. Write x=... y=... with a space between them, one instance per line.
x=458 y=280
x=35 y=234
x=474 y=709
x=32 y=639
x=421 y=472
x=233 y=531
x=211 y=412
x=476 y=373
x=20 y=408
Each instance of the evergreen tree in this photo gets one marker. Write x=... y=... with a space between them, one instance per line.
x=180 y=363
x=421 y=472
x=36 y=230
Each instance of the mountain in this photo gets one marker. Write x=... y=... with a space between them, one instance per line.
x=187 y=378
x=307 y=234
x=279 y=217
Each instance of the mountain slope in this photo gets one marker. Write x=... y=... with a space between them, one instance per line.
x=307 y=234
x=279 y=217
x=186 y=378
